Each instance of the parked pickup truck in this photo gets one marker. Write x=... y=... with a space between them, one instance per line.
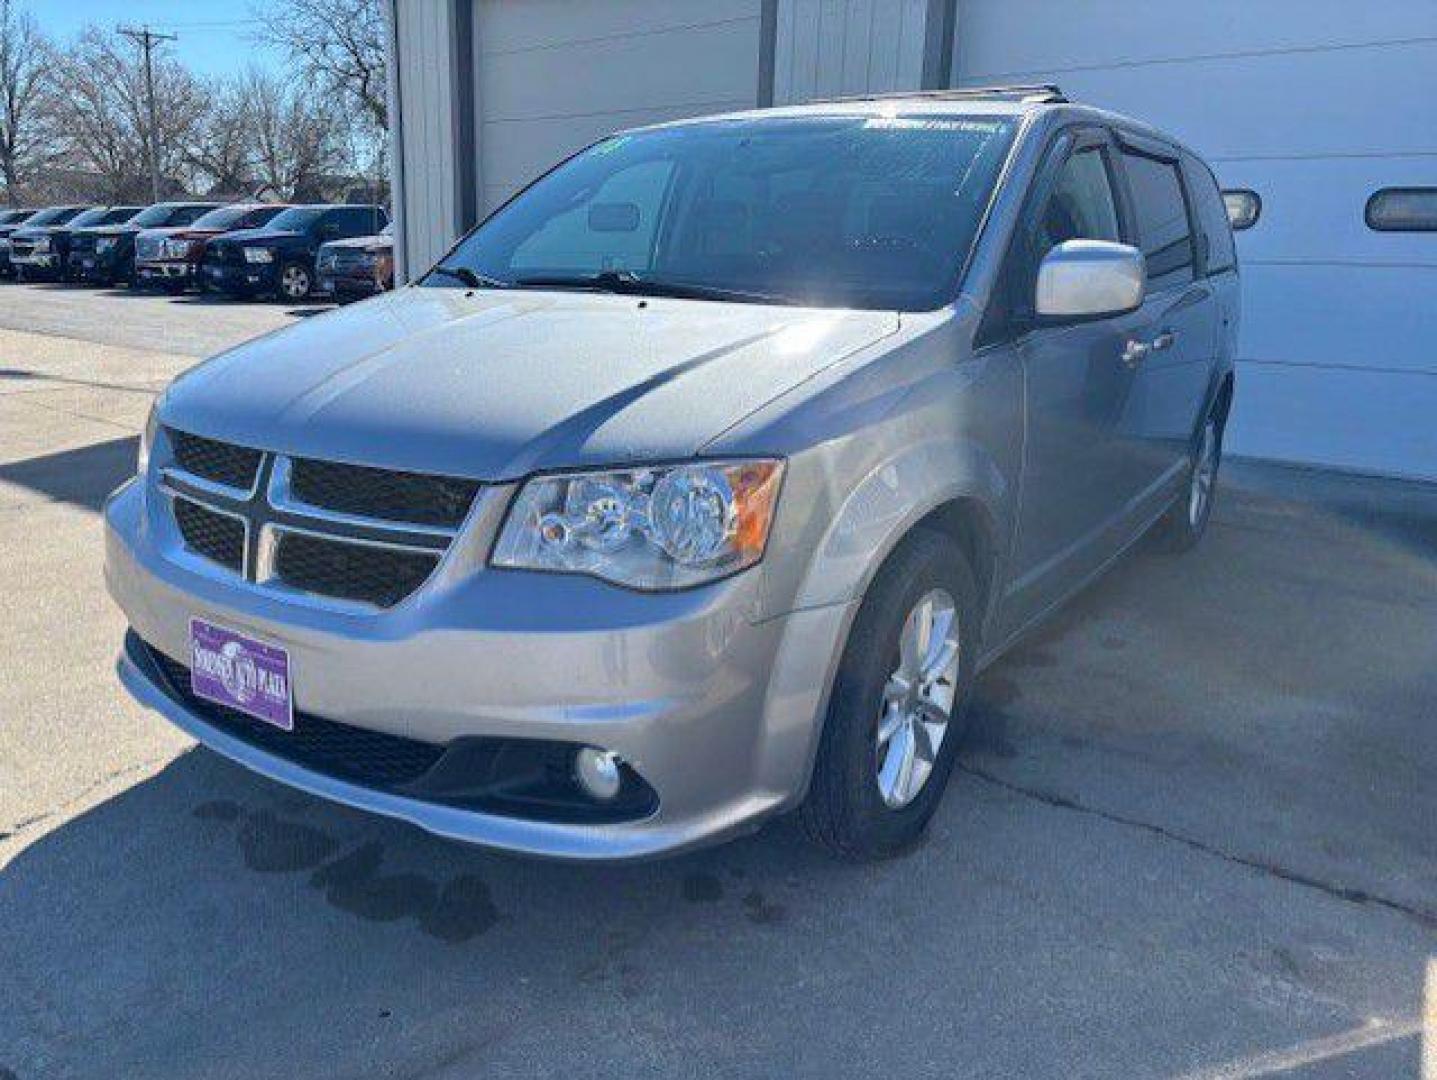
x=169 y=257
x=353 y=269
x=40 y=249
x=699 y=482
x=106 y=255
x=279 y=259
x=10 y=220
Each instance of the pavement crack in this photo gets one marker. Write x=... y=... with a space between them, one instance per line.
x=1352 y=895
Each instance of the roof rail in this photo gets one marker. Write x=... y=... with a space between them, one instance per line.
x=1038 y=93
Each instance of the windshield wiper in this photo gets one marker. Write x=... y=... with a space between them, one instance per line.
x=468 y=277
x=628 y=283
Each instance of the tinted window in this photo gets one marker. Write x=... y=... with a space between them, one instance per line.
x=95 y=216
x=298 y=218
x=222 y=217
x=260 y=216
x=1215 y=245
x=187 y=215
x=55 y=215
x=1409 y=209
x=1081 y=205
x=116 y=214
x=1162 y=220
x=14 y=217
x=358 y=220
x=875 y=212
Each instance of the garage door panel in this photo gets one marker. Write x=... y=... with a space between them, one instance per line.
x=1006 y=39
x=509 y=26
x=1362 y=421
x=1264 y=107
x=518 y=151
x=1347 y=316
x=1314 y=208
x=681 y=68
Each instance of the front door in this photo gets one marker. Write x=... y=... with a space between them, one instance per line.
x=1076 y=482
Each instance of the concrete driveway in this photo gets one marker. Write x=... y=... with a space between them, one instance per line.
x=1194 y=834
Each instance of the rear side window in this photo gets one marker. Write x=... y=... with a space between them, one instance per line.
x=188 y=215
x=1215 y=246
x=1081 y=205
x=1162 y=219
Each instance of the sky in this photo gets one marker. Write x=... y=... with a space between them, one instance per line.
x=214 y=35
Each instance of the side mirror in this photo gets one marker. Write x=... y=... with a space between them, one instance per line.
x=1087 y=279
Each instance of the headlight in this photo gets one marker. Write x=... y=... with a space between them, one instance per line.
x=147 y=439
x=258 y=255
x=660 y=528
x=104 y=244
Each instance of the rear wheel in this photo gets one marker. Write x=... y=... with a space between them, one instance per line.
x=1186 y=520
x=896 y=716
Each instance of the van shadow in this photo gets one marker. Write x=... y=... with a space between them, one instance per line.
x=83 y=477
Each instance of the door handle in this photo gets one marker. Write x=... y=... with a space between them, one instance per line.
x=1134 y=352
x=1165 y=340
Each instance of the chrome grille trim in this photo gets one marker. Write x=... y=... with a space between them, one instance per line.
x=269 y=511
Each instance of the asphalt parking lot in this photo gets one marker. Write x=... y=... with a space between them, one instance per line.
x=1194 y=834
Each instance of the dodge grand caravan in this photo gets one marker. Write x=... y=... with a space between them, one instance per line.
x=697 y=483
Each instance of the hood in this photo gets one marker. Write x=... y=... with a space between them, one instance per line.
x=495 y=385
x=162 y=231
x=261 y=235
x=363 y=243
x=40 y=230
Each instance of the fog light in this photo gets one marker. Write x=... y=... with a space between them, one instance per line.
x=598 y=772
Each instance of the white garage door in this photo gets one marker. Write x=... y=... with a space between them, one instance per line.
x=554 y=75
x=1315 y=105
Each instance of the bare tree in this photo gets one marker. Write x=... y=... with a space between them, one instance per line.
x=295 y=135
x=102 y=107
x=222 y=152
x=336 y=44
x=26 y=136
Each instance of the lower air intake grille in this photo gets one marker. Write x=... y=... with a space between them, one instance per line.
x=218 y=537
x=382 y=576
x=413 y=498
x=217 y=462
x=372 y=758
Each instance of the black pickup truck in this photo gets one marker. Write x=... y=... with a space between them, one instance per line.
x=279 y=259
x=10 y=220
x=40 y=248
x=106 y=254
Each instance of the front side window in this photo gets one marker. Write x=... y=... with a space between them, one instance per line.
x=1162 y=220
x=297 y=218
x=1081 y=205
x=188 y=215
x=876 y=212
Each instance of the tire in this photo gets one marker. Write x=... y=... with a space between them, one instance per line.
x=850 y=809
x=1186 y=520
x=295 y=282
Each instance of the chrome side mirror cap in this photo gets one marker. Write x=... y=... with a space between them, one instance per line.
x=1086 y=279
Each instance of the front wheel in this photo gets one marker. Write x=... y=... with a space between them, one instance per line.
x=295 y=282
x=1186 y=520
x=896 y=715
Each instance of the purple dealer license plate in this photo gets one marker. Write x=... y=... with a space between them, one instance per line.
x=245 y=674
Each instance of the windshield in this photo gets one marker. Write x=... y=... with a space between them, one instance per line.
x=872 y=212
x=89 y=217
x=222 y=217
x=159 y=214
x=117 y=214
x=297 y=218
x=14 y=217
x=56 y=215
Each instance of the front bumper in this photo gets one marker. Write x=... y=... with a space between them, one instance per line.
x=240 y=277
x=37 y=260
x=165 y=271
x=91 y=266
x=713 y=708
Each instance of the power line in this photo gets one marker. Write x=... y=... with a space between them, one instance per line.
x=147 y=40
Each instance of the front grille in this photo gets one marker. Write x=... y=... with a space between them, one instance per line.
x=148 y=248
x=22 y=247
x=372 y=758
x=413 y=498
x=382 y=576
x=218 y=537
x=82 y=244
x=217 y=462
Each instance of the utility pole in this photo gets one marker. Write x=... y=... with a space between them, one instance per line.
x=147 y=40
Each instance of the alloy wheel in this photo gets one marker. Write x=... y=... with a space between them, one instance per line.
x=295 y=282
x=918 y=699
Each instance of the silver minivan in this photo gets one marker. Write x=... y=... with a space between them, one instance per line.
x=698 y=482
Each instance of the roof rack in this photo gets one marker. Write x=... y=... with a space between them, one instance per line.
x=1038 y=93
